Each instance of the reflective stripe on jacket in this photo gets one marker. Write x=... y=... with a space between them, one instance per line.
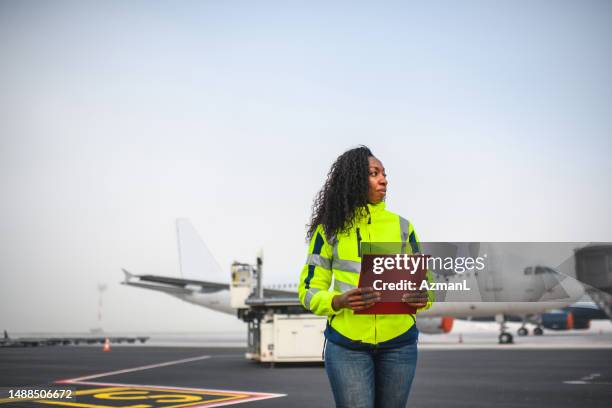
x=338 y=260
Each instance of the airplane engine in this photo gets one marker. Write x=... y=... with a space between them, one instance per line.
x=581 y=324
x=435 y=325
x=560 y=320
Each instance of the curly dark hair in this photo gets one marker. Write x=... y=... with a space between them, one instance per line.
x=344 y=194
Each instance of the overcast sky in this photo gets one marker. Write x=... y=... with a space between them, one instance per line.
x=492 y=119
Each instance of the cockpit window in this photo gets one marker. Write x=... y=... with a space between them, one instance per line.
x=539 y=270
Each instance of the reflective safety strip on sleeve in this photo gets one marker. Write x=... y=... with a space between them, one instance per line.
x=319 y=260
x=316 y=250
x=343 y=286
x=309 y=296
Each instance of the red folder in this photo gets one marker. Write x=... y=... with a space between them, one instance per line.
x=390 y=302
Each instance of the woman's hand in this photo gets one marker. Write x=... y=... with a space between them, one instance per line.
x=416 y=299
x=356 y=299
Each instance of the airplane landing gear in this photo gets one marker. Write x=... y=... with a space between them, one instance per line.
x=538 y=331
x=522 y=331
x=504 y=336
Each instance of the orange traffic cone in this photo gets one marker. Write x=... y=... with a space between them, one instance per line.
x=106 y=345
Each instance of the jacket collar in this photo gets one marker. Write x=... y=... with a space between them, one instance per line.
x=376 y=208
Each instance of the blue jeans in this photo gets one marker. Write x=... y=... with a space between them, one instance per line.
x=376 y=378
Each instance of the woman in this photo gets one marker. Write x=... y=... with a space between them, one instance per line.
x=370 y=359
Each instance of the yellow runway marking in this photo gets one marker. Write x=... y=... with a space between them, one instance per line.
x=144 y=397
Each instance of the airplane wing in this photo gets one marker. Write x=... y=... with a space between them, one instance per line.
x=183 y=286
x=279 y=293
x=172 y=285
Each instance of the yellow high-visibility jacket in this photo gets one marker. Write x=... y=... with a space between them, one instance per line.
x=339 y=259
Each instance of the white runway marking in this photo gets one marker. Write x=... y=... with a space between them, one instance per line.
x=246 y=396
x=129 y=370
x=176 y=388
x=587 y=379
x=249 y=395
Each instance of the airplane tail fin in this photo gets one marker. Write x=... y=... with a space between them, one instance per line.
x=196 y=260
x=6 y=336
x=127 y=274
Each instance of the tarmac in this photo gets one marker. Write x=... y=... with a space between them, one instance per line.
x=149 y=376
x=464 y=368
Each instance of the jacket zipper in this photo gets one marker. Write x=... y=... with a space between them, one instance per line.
x=358 y=243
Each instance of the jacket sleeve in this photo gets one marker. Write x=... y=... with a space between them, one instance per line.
x=316 y=276
x=416 y=247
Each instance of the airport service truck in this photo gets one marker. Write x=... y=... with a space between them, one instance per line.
x=279 y=328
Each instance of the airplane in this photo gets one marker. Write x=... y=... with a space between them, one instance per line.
x=540 y=287
x=576 y=316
